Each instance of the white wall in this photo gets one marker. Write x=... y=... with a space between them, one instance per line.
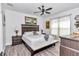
x=74 y=12
x=1 y=35
x=14 y=20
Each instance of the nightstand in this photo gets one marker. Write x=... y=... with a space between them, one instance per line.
x=16 y=40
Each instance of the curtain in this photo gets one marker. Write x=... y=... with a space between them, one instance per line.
x=54 y=27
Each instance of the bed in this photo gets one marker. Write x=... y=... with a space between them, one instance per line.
x=36 y=43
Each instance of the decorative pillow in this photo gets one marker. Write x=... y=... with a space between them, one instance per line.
x=28 y=33
x=35 y=33
x=38 y=32
x=46 y=37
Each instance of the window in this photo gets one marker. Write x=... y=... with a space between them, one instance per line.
x=64 y=26
x=54 y=27
x=60 y=26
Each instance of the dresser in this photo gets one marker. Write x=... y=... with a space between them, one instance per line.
x=16 y=40
x=69 y=46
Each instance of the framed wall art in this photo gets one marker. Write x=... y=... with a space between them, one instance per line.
x=47 y=24
x=30 y=20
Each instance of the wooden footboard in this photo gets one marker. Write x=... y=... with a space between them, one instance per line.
x=36 y=51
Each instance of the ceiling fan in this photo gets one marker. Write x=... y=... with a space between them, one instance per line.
x=43 y=10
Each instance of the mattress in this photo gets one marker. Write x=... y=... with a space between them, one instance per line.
x=37 y=41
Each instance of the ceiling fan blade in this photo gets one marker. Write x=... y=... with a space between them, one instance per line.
x=39 y=8
x=37 y=12
x=48 y=12
x=48 y=9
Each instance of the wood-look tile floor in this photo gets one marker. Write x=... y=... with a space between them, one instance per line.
x=21 y=50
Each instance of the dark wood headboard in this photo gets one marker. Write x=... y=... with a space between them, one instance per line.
x=28 y=28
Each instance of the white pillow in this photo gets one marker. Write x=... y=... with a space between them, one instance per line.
x=39 y=32
x=28 y=33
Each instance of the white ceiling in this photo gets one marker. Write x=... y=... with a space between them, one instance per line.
x=29 y=8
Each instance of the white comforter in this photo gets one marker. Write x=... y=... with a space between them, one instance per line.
x=34 y=38
x=36 y=41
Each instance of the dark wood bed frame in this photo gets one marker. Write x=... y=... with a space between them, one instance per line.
x=27 y=28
